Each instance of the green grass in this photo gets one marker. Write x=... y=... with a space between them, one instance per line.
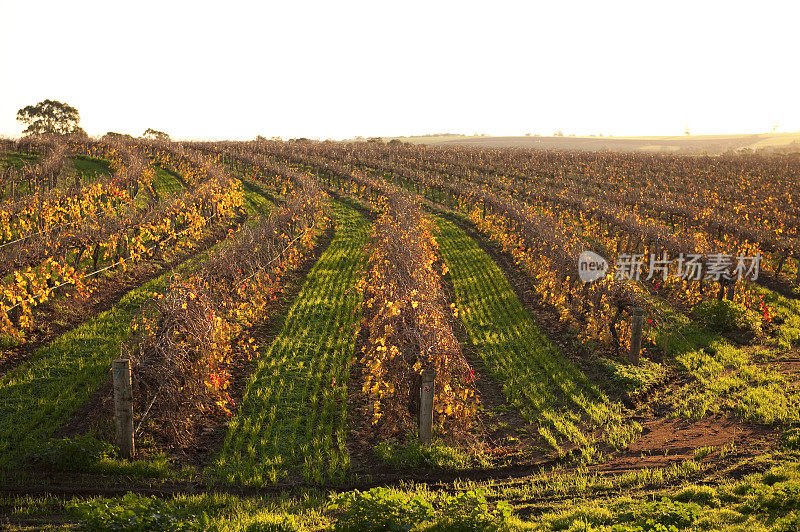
x=413 y=454
x=165 y=183
x=764 y=501
x=547 y=388
x=42 y=393
x=257 y=201
x=17 y=159
x=86 y=453
x=90 y=168
x=216 y=512
x=787 y=312
x=293 y=417
x=727 y=377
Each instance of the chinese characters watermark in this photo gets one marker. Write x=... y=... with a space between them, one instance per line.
x=687 y=267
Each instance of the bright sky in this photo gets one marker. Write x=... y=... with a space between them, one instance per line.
x=233 y=69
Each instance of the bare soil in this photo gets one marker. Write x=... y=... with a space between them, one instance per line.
x=665 y=441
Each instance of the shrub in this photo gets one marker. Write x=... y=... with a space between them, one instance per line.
x=409 y=328
x=788 y=523
x=388 y=509
x=664 y=515
x=471 y=511
x=634 y=379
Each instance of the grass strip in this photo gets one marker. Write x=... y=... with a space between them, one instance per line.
x=41 y=394
x=759 y=501
x=294 y=410
x=258 y=202
x=90 y=168
x=547 y=388
x=166 y=184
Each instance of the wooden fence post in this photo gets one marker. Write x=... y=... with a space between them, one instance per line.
x=123 y=405
x=636 y=335
x=426 y=406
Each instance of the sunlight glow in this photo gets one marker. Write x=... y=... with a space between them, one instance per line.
x=338 y=69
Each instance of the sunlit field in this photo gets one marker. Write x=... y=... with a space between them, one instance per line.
x=281 y=304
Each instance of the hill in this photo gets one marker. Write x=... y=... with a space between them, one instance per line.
x=712 y=144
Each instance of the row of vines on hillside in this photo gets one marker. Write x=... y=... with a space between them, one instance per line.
x=583 y=223
x=85 y=242
x=187 y=340
x=409 y=325
x=550 y=253
x=741 y=204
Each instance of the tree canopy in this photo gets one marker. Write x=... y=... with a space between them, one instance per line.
x=50 y=116
x=113 y=135
x=155 y=134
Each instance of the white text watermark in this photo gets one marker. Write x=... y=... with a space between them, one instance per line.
x=687 y=267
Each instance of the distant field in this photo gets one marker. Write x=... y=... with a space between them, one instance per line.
x=713 y=144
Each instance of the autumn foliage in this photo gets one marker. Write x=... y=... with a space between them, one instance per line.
x=61 y=241
x=187 y=339
x=409 y=324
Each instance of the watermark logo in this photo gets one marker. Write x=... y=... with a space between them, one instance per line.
x=591 y=266
x=687 y=267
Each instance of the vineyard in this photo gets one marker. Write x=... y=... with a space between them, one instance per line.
x=387 y=336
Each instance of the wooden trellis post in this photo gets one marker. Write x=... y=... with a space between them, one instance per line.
x=426 y=406
x=123 y=405
x=636 y=335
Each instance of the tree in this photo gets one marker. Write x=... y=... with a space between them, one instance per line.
x=155 y=134
x=113 y=135
x=50 y=116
